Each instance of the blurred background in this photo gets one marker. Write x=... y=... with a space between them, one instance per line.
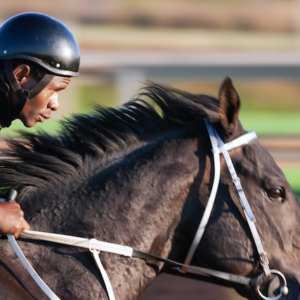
x=191 y=45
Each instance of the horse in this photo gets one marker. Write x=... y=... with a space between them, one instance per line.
x=141 y=175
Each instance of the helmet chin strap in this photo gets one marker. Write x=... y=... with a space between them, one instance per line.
x=24 y=95
x=5 y=112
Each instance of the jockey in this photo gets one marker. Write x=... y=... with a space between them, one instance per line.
x=38 y=57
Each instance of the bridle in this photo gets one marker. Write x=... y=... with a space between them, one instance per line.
x=219 y=147
x=95 y=246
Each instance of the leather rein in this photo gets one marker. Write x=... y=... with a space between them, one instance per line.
x=95 y=246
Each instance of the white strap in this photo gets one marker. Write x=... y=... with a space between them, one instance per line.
x=92 y=244
x=78 y=242
x=191 y=269
x=106 y=280
x=262 y=254
x=217 y=147
x=241 y=140
x=245 y=204
x=211 y=199
x=30 y=269
x=103 y=273
x=235 y=178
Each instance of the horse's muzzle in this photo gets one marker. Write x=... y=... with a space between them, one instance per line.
x=293 y=286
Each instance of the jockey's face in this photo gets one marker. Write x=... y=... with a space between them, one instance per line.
x=40 y=107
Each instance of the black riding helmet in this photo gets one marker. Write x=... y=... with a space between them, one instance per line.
x=43 y=40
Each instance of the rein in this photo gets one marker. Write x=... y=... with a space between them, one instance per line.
x=95 y=246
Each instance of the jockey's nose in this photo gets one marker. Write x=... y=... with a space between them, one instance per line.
x=53 y=104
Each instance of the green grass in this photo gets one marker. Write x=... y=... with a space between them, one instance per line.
x=101 y=94
x=50 y=126
x=275 y=123
x=293 y=177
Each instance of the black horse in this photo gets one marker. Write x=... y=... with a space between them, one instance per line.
x=141 y=176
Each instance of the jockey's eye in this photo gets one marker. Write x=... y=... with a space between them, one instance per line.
x=276 y=194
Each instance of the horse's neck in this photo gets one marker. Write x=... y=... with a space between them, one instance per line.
x=145 y=200
x=147 y=196
x=140 y=203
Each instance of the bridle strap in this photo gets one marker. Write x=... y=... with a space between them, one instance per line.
x=244 y=202
x=93 y=244
x=217 y=147
x=235 y=179
x=210 y=203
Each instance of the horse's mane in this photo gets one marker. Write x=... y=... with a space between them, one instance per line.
x=157 y=109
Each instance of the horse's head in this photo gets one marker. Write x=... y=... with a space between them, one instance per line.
x=228 y=243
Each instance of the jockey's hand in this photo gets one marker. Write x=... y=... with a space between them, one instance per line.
x=12 y=219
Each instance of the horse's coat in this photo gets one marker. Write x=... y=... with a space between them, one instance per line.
x=140 y=176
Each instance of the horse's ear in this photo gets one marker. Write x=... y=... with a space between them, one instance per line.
x=229 y=105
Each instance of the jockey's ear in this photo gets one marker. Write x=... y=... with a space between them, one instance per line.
x=229 y=105
x=21 y=73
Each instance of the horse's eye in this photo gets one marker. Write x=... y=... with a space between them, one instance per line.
x=276 y=194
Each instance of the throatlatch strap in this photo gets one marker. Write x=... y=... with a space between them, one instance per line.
x=22 y=95
x=9 y=72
